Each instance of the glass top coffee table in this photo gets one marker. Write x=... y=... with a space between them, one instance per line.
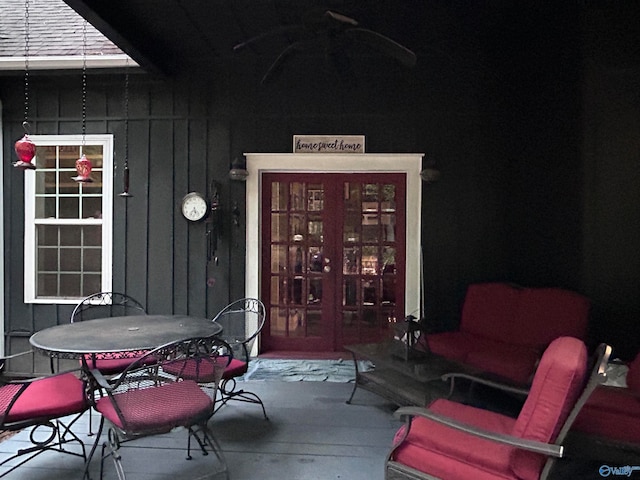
x=413 y=381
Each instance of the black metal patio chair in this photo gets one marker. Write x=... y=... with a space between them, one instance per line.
x=149 y=400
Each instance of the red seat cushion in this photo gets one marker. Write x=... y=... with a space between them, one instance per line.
x=633 y=375
x=612 y=413
x=510 y=361
x=205 y=370
x=51 y=397
x=108 y=365
x=159 y=408
x=236 y=368
x=452 y=345
x=447 y=453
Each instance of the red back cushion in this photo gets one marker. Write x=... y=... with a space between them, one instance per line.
x=547 y=313
x=489 y=309
x=558 y=382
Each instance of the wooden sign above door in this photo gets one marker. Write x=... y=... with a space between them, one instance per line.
x=328 y=144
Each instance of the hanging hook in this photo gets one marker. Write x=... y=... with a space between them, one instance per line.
x=26 y=127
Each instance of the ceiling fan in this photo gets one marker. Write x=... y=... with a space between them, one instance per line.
x=336 y=32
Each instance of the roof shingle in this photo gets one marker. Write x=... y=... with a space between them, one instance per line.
x=55 y=29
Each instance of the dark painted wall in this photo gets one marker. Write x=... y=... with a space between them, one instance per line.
x=533 y=125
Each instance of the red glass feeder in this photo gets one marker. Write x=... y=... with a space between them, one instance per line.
x=26 y=151
x=83 y=167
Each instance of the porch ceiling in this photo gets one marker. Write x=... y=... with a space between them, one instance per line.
x=170 y=36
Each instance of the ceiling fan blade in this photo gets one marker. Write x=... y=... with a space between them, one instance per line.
x=279 y=62
x=271 y=33
x=340 y=18
x=384 y=44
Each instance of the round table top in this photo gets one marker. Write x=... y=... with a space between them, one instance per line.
x=121 y=334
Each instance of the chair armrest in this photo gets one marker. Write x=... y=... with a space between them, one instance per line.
x=530 y=445
x=100 y=379
x=485 y=381
x=8 y=357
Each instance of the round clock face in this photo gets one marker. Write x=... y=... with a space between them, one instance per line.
x=194 y=207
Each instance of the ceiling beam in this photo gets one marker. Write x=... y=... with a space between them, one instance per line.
x=112 y=21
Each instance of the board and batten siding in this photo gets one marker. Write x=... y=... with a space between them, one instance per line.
x=173 y=148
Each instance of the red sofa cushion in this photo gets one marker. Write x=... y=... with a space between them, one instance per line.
x=489 y=310
x=547 y=313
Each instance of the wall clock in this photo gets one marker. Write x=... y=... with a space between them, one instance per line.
x=195 y=207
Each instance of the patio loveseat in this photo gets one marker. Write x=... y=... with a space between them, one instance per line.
x=505 y=328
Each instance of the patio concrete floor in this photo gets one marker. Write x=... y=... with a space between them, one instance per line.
x=312 y=434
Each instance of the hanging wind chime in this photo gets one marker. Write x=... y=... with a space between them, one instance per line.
x=125 y=174
x=83 y=164
x=25 y=148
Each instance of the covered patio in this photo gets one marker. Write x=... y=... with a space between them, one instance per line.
x=312 y=434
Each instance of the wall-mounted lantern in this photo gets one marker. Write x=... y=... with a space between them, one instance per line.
x=238 y=170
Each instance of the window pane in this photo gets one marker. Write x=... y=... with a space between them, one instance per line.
x=95 y=186
x=48 y=285
x=48 y=259
x=69 y=207
x=46 y=156
x=70 y=260
x=70 y=235
x=278 y=196
x=92 y=235
x=93 y=153
x=278 y=258
x=314 y=323
x=92 y=260
x=45 y=207
x=91 y=284
x=70 y=285
x=279 y=227
x=68 y=156
x=92 y=207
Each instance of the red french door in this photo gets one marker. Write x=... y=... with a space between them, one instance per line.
x=333 y=258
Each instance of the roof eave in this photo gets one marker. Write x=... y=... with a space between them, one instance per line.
x=66 y=62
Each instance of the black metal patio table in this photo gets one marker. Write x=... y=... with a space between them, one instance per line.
x=113 y=336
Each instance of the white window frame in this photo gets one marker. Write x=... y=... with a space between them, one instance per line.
x=30 y=220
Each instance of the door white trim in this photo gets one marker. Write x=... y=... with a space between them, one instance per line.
x=408 y=163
